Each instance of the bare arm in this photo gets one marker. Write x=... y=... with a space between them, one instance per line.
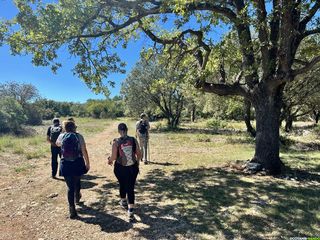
x=59 y=140
x=85 y=155
x=138 y=152
x=113 y=156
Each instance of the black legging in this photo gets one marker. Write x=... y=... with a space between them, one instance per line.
x=126 y=176
x=55 y=152
x=73 y=183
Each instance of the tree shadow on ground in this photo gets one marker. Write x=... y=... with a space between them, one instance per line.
x=215 y=201
x=162 y=163
x=225 y=131
x=96 y=215
x=184 y=204
x=302 y=175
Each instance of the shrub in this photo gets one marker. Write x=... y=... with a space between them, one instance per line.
x=33 y=114
x=11 y=115
x=159 y=126
x=215 y=124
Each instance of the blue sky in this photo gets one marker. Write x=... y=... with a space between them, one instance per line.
x=63 y=86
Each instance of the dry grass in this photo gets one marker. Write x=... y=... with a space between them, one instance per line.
x=184 y=193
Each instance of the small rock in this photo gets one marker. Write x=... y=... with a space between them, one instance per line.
x=53 y=195
x=259 y=202
x=254 y=166
x=19 y=213
x=34 y=204
x=23 y=207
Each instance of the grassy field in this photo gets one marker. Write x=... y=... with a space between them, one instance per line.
x=33 y=145
x=219 y=203
x=189 y=192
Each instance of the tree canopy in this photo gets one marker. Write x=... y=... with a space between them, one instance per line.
x=151 y=84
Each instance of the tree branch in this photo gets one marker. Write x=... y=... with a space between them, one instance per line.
x=223 y=89
x=274 y=32
x=245 y=40
x=311 y=32
x=307 y=19
x=307 y=67
x=263 y=34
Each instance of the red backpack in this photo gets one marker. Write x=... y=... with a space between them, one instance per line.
x=126 y=155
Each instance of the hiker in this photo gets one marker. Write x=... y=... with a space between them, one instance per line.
x=126 y=154
x=74 y=163
x=52 y=136
x=142 y=133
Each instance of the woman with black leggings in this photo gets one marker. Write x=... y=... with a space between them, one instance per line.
x=126 y=154
x=74 y=162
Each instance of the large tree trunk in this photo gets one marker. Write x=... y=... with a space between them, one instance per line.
x=247 y=117
x=267 y=137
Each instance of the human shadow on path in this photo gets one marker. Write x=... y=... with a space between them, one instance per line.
x=107 y=222
x=87 y=181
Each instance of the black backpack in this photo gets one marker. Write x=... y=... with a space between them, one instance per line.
x=143 y=127
x=54 y=133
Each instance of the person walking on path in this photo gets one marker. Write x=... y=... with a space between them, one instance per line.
x=74 y=163
x=53 y=133
x=126 y=154
x=142 y=133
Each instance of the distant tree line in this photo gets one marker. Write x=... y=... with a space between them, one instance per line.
x=21 y=104
x=160 y=92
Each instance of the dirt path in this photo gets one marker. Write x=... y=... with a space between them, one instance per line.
x=34 y=206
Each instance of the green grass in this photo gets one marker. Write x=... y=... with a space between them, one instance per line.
x=186 y=180
x=90 y=126
x=18 y=150
x=22 y=168
x=36 y=146
x=6 y=142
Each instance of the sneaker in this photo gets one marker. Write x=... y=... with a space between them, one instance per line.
x=77 y=198
x=73 y=212
x=124 y=204
x=131 y=216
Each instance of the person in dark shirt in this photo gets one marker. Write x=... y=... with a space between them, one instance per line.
x=52 y=136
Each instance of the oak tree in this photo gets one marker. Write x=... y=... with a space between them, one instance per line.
x=269 y=33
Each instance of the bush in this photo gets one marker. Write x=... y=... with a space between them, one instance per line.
x=158 y=126
x=215 y=124
x=34 y=116
x=11 y=115
x=234 y=110
x=47 y=114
